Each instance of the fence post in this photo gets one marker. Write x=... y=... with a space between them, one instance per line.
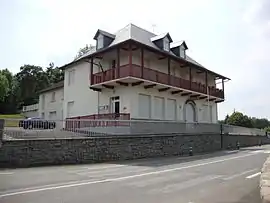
x=2 y=124
x=221 y=136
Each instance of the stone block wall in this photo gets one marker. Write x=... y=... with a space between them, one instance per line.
x=24 y=153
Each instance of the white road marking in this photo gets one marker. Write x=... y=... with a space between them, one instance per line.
x=6 y=173
x=67 y=185
x=254 y=175
x=86 y=169
x=239 y=174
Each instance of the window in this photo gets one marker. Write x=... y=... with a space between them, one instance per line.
x=42 y=101
x=144 y=106
x=166 y=44
x=182 y=52
x=171 y=109
x=53 y=97
x=43 y=115
x=52 y=115
x=70 y=106
x=100 y=42
x=71 y=77
x=113 y=64
x=159 y=105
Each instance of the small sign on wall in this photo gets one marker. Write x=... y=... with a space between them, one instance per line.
x=103 y=108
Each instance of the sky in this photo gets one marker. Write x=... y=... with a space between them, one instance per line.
x=231 y=37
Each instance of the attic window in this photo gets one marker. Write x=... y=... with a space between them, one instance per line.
x=100 y=41
x=182 y=52
x=166 y=44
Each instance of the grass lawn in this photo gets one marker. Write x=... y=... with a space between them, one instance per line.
x=11 y=120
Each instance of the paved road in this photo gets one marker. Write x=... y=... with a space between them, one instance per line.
x=223 y=177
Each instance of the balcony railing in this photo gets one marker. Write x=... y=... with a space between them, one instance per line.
x=154 y=76
x=98 y=120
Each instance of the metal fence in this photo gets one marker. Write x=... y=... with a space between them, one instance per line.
x=78 y=128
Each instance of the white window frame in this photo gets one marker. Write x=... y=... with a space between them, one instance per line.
x=71 y=77
x=53 y=97
x=100 y=41
x=182 y=52
x=166 y=44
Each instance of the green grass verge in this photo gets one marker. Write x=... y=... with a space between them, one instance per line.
x=11 y=120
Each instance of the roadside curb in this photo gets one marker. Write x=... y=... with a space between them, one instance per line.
x=265 y=182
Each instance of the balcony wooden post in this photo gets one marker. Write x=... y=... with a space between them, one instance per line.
x=142 y=61
x=190 y=78
x=169 y=71
x=91 y=71
x=206 y=81
x=130 y=58
x=118 y=62
x=223 y=85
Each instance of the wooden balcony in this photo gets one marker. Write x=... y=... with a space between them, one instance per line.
x=150 y=75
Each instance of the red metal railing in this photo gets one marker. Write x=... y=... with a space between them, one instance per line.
x=97 y=120
x=155 y=76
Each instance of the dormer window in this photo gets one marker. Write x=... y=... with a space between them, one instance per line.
x=166 y=44
x=100 y=41
x=162 y=41
x=104 y=39
x=179 y=49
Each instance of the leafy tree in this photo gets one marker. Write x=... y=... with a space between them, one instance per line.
x=83 y=50
x=4 y=87
x=239 y=119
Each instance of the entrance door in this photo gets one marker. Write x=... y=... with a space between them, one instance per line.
x=115 y=106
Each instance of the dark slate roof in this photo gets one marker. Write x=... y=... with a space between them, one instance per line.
x=53 y=87
x=135 y=33
x=158 y=37
x=177 y=44
x=104 y=33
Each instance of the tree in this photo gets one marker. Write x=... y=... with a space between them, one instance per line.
x=239 y=119
x=83 y=50
x=4 y=88
x=54 y=74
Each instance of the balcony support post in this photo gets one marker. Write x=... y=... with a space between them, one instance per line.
x=206 y=81
x=223 y=85
x=91 y=71
x=130 y=58
x=142 y=61
x=118 y=62
x=169 y=70
x=190 y=78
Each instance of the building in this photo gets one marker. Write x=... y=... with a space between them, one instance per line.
x=30 y=111
x=51 y=102
x=135 y=74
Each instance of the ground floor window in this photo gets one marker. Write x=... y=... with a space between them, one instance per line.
x=144 y=106
x=171 y=109
x=190 y=112
x=159 y=108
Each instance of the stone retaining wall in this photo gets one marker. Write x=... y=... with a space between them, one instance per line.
x=24 y=153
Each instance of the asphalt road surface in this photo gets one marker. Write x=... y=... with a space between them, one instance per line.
x=222 y=177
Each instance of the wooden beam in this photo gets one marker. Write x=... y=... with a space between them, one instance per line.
x=124 y=48
x=149 y=86
x=213 y=99
x=118 y=61
x=177 y=91
x=99 y=57
x=91 y=71
x=186 y=94
x=199 y=72
x=161 y=58
x=183 y=66
x=122 y=83
x=137 y=83
x=218 y=101
x=134 y=49
x=203 y=97
x=163 y=89
x=95 y=89
x=108 y=86
x=194 y=96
